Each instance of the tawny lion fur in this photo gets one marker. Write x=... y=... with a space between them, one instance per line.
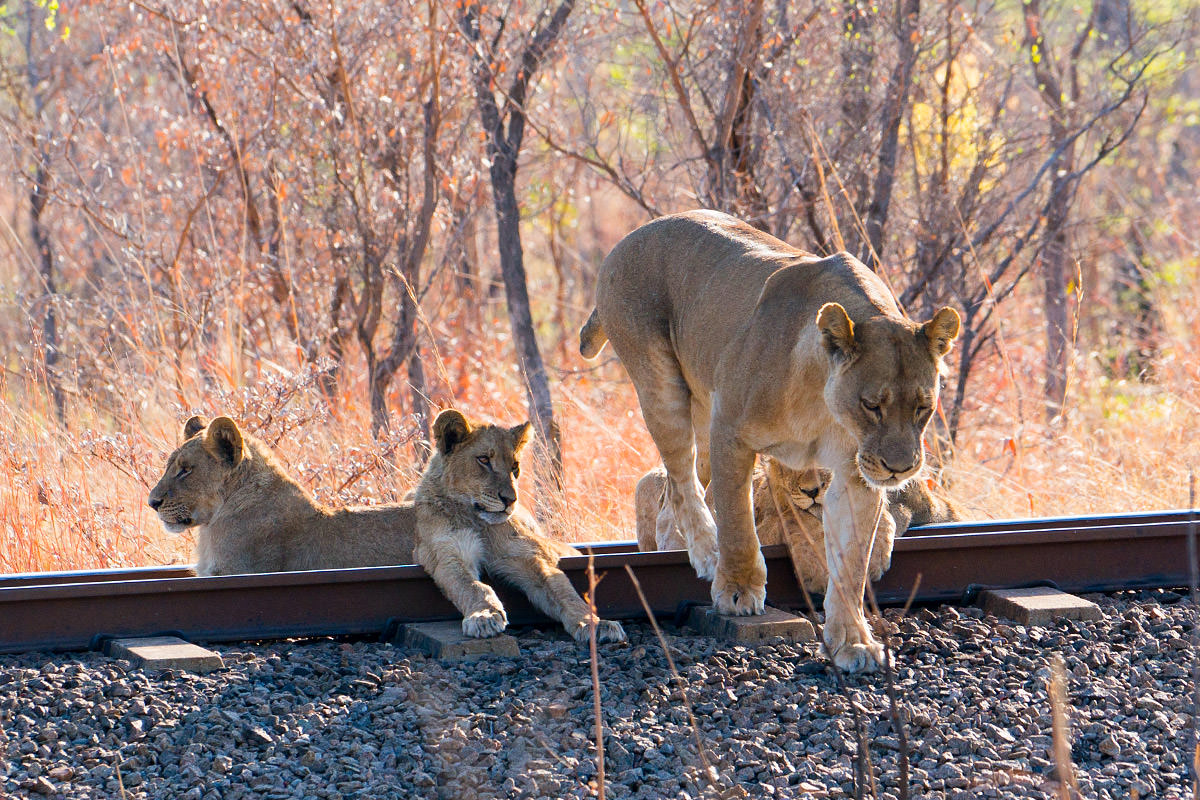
x=251 y=516
x=740 y=344
x=469 y=520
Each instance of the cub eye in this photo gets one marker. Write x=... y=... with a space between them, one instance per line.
x=516 y=470
x=923 y=413
x=182 y=473
x=484 y=462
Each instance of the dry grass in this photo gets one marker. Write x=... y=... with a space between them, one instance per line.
x=73 y=496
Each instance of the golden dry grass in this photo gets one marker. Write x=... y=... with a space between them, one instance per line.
x=73 y=496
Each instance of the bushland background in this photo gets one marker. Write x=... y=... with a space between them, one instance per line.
x=331 y=219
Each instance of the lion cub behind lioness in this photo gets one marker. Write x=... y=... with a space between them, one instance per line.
x=252 y=517
x=468 y=519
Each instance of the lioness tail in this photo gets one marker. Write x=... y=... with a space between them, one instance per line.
x=592 y=337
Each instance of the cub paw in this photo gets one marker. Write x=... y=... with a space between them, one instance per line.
x=859 y=657
x=879 y=565
x=703 y=557
x=606 y=631
x=484 y=623
x=738 y=599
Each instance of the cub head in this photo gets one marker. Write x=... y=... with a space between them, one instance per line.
x=480 y=463
x=883 y=386
x=192 y=487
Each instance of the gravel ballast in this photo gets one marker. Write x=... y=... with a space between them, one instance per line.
x=329 y=719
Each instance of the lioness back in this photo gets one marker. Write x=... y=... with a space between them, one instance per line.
x=251 y=516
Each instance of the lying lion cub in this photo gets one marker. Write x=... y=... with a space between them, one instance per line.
x=468 y=518
x=252 y=517
x=787 y=510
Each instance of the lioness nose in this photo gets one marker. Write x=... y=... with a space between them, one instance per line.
x=894 y=470
x=508 y=496
x=155 y=502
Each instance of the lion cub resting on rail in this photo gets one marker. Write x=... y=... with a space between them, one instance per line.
x=253 y=517
x=468 y=518
x=787 y=510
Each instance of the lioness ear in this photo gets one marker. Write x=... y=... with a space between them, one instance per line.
x=193 y=426
x=521 y=435
x=837 y=331
x=449 y=430
x=224 y=441
x=941 y=331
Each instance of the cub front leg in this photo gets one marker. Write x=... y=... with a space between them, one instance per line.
x=548 y=588
x=458 y=578
x=740 y=586
x=854 y=517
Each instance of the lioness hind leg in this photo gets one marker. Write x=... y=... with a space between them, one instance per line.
x=666 y=404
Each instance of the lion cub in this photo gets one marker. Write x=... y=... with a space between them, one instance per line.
x=252 y=517
x=788 y=506
x=468 y=519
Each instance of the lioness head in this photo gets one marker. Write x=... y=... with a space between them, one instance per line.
x=480 y=463
x=883 y=386
x=191 y=489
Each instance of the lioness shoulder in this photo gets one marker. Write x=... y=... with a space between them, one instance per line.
x=251 y=516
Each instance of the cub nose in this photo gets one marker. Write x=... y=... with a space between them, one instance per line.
x=507 y=496
x=155 y=502
x=894 y=470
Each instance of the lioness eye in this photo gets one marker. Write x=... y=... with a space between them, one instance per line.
x=516 y=470
x=870 y=408
x=484 y=462
x=183 y=473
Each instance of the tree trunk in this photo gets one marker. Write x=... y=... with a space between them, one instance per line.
x=907 y=13
x=516 y=292
x=505 y=130
x=1054 y=256
x=39 y=194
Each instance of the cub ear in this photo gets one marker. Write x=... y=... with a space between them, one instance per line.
x=941 y=331
x=224 y=441
x=837 y=331
x=521 y=434
x=449 y=430
x=193 y=426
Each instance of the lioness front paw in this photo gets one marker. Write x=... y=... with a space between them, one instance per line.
x=859 y=657
x=738 y=598
x=484 y=623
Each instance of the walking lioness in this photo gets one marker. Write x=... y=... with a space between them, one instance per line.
x=468 y=519
x=737 y=344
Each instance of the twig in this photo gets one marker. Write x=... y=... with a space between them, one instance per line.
x=590 y=597
x=709 y=773
x=1192 y=581
x=1056 y=688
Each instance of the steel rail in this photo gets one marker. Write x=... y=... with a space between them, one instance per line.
x=76 y=610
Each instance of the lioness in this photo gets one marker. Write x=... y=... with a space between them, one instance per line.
x=468 y=518
x=787 y=510
x=738 y=344
x=252 y=517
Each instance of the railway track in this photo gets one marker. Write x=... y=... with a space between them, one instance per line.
x=78 y=610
